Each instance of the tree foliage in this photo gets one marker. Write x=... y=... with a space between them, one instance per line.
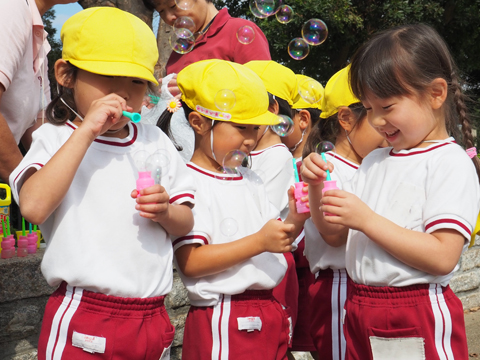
x=56 y=48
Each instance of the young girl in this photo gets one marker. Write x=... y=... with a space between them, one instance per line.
x=343 y=124
x=110 y=258
x=305 y=117
x=232 y=259
x=411 y=207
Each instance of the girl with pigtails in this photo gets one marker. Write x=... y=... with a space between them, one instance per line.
x=409 y=211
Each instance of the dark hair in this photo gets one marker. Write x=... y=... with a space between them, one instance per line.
x=404 y=61
x=284 y=107
x=57 y=112
x=329 y=128
x=150 y=4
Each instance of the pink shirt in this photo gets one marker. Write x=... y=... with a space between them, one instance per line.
x=23 y=64
x=220 y=42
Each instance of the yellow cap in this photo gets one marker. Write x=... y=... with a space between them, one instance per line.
x=278 y=79
x=316 y=92
x=225 y=91
x=109 y=41
x=338 y=92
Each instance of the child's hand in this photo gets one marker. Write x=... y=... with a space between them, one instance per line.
x=314 y=169
x=104 y=113
x=294 y=215
x=153 y=202
x=275 y=236
x=348 y=209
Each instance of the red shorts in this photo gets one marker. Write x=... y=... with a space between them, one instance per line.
x=252 y=325
x=84 y=325
x=287 y=291
x=327 y=298
x=302 y=340
x=413 y=322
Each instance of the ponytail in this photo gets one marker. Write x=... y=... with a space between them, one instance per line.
x=165 y=119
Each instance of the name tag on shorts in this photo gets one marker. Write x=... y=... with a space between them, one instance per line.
x=89 y=343
x=249 y=323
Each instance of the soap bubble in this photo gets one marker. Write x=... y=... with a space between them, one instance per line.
x=184 y=23
x=233 y=160
x=266 y=7
x=314 y=32
x=140 y=159
x=245 y=34
x=298 y=49
x=182 y=43
x=324 y=147
x=283 y=127
x=284 y=14
x=310 y=90
x=253 y=8
x=157 y=164
x=184 y=4
x=257 y=177
x=225 y=99
x=229 y=227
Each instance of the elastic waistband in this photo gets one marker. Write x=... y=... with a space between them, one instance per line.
x=110 y=304
x=391 y=292
x=328 y=273
x=253 y=295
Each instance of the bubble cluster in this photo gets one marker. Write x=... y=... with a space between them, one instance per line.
x=324 y=147
x=284 y=14
x=184 y=4
x=229 y=227
x=310 y=90
x=298 y=49
x=314 y=32
x=225 y=99
x=245 y=34
x=283 y=126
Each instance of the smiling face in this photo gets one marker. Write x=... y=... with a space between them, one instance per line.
x=199 y=12
x=89 y=87
x=405 y=121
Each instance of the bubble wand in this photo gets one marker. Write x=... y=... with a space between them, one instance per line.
x=328 y=171
x=4 y=230
x=135 y=117
x=23 y=226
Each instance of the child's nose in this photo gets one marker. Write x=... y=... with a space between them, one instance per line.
x=170 y=18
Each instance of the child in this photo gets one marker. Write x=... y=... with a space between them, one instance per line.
x=305 y=117
x=411 y=207
x=112 y=264
x=232 y=259
x=344 y=124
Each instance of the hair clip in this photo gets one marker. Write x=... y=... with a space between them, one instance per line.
x=173 y=105
x=471 y=152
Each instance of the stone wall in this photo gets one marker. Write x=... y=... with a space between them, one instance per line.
x=24 y=293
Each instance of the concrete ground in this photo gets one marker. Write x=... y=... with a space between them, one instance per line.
x=472 y=324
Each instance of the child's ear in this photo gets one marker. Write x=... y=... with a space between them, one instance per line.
x=275 y=108
x=305 y=119
x=346 y=118
x=198 y=123
x=438 y=93
x=61 y=68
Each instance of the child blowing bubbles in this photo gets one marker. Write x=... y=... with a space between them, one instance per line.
x=112 y=263
x=232 y=259
x=411 y=207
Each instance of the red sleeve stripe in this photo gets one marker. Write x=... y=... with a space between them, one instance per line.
x=191 y=237
x=448 y=221
x=25 y=168
x=175 y=198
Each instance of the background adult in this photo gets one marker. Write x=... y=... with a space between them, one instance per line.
x=216 y=38
x=23 y=69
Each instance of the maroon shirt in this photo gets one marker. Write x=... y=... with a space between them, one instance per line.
x=220 y=42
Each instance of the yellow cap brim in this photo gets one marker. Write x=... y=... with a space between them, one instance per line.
x=115 y=69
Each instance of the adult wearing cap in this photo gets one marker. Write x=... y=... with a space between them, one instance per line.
x=216 y=38
x=23 y=69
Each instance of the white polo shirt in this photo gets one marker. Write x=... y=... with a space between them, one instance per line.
x=419 y=189
x=23 y=64
x=275 y=166
x=228 y=208
x=319 y=254
x=96 y=239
